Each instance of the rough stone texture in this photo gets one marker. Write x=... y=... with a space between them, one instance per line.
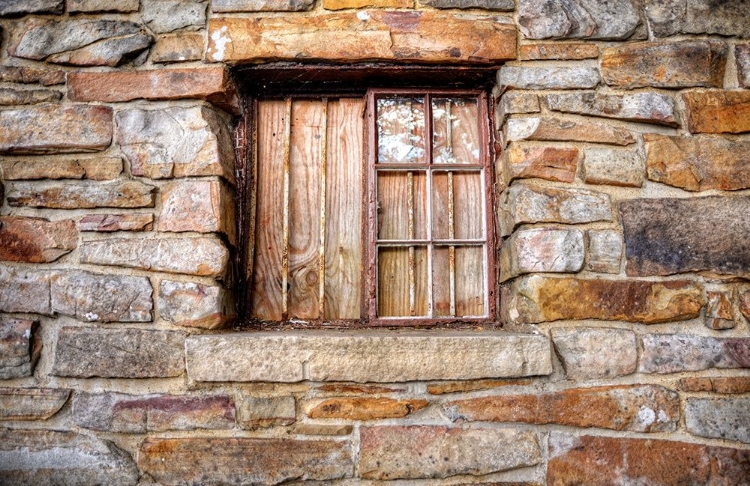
x=469 y=386
x=204 y=256
x=517 y=102
x=501 y=5
x=637 y=408
x=555 y=129
x=564 y=52
x=379 y=35
x=81 y=195
x=539 y=299
x=321 y=429
x=136 y=414
x=193 y=304
x=79 y=42
x=31 y=403
x=30 y=75
x=202 y=206
x=529 y=203
x=24 y=290
x=745 y=304
x=46 y=457
x=14 y=96
x=541 y=250
x=254 y=412
x=410 y=452
x=55 y=129
x=667 y=236
x=184 y=46
x=613 y=166
x=362 y=408
x=543 y=162
x=640 y=107
x=728 y=17
x=590 y=19
x=604 y=251
x=32 y=168
x=719 y=313
x=116 y=222
x=101 y=297
x=261 y=5
x=717 y=111
x=674 y=353
x=684 y=64
x=207 y=83
x=20 y=7
x=607 y=460
x=365 y=357
x=162 y=16
x=118 y=353
x=718 y=384
x=36 y=240
x=239 y=461
x=176 y=142
x=17 y=347
x=742 y=57
x=719 y=418
x=80 y=6
x=346 y=4
x=698 y=163
x=595 y=353
x=524 y=77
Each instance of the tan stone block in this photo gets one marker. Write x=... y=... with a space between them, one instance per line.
x=644 y=107
x=55 y=167
x=554 y=129
x=604 y=251
x=321 y=429
x=15 y=96
x=31 y=403
x=568 y=51
x=362 y=408
x=344 y=4
x=116 y=222
x=193 y=304
x=613 y=166
x=76 y=6
x=183 y=46
x=254 y=412
x=202 y=206
x=543 y=162
x=23 y=74
x=261 y=5
x=718 y=384
x=469 y=386
x=346 y=389
x=719 y=313
x=36 y=240
x=717 y=111
x=674 y=353
x=595 y=353
x=81 y=195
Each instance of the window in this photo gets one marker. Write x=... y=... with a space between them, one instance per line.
x=372 y=209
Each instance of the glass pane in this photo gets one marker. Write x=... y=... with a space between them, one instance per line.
x=456 y=131
x=401 y=131
x=464 y=191
x=402 y=199
x=402 y=282
x=470 y=280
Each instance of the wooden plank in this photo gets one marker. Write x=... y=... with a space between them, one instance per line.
x=344 y=193
x=266 y=287
x=393 y=205
x=468 y=214
x=393 y=282
x=470 y=281
x=322 y=223
x=441 y=292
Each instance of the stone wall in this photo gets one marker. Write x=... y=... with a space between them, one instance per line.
x=623 y=203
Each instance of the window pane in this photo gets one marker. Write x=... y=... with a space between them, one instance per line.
x=457 y=142
x=402 y=198
x=401 y=131
x=470 y=279
x=402 y=282
x=462 y=190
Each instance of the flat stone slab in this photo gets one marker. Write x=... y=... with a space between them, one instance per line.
x=31 y=403
x=365 y=357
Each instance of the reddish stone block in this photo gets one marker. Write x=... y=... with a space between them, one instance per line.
x=718 y=111
x=533 y=161
x=363 y=408
x=717 y=384
x=202 y=206
x=116 y=222
x=36 y=240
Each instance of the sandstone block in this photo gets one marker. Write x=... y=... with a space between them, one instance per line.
x=539 y=161
x=608 y=460
x=55 y=129
x=529 y=203
x=321 y=429
x=137 y=414
x=613 y=166
x=79 y=42
x=726 y=385
x=102 y=298
x=362 y=408
x=201 y=206
x=254 y=412
x=588 y=19
x=81 y=195
x=345 y=4
x=116 y=222
x=162 y=16
x=638 y=408
x=24 y=290
x=673 y=353
x=697 y=17
x=36 y=240
x=207 y=83
x=204 y=256
x=640 y=107
x=522 y=77
x=32 y=168
x=717 y=111
x=604 y=251
x=571 y=51
x=261 y=5
x=20 y=7
x=118 y=353
x=52 y=457
x=719 y=313
x=542 y=299
x=512 y=102
x=742 y=57
x=667 y=236
x=555 y=129
x=421 y=36
x=176 y=142
x=745 y=304
x=14 y=96
x=193 y=304
x=18 y=349
x=410 y=452
x=365 y=357
x=719 y=418
x=684 y=64
x=469 y=386
x=244 y=460
x=30 y=75
x=184 y=46
x=595 y=353
x=31 y=403
x=541 y=250
x=80 y=6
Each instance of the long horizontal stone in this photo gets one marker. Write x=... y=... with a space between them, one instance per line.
x=32 y=75
x=538 y=161
x=19 y=347
x=224 y=6
x=362 y=408
x=719 y=418
x=523 y=77
x=589 y=353
x=365 y=357
x=79 y=6
x=674 y=353
x=31 y=403
x=373 y=35
x=169 y=15
x=105 y=223
x=240 y=461
x=717 y=111
x=55 y=129
x=36 y=240
x=65 y=167
x=576 y=19
x=716 y=384
x=14 y=96
x=81 y=195
x=640 y=107
x=19 y=7
x=728 y=17
x=572 y=51
x=563 y=130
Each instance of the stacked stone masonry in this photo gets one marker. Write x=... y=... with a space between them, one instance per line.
x=621 y=349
